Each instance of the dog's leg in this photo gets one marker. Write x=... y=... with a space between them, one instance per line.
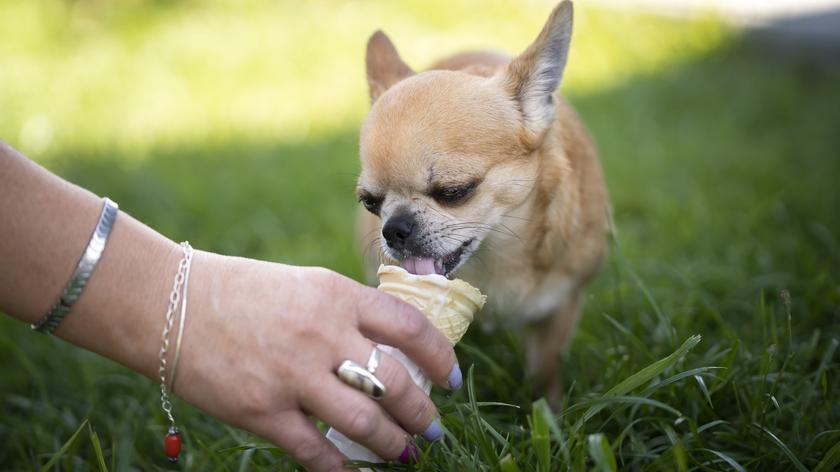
x=546 y=341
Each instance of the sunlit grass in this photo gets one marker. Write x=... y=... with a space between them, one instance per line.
x=97 y=75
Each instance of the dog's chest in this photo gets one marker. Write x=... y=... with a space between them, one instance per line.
x=515 y=295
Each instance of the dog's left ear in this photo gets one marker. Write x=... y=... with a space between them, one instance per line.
x=385 y=67
x=533 y=76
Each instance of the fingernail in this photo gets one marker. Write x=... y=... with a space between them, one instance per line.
x=433 y=432
x=410 y=454
x=455 y=378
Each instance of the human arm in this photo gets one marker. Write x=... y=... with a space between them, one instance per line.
x=262 y=340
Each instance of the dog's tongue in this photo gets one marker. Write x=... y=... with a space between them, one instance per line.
x=419 y=266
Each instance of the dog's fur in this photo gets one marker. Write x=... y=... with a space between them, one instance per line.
x=530 y=232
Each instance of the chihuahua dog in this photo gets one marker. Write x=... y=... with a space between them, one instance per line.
x=476 y=166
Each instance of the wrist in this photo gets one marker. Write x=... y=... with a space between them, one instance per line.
x=209 y=344
x=201 y=309
x=120 y=315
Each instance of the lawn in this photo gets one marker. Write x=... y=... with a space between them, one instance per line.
x=709 y=339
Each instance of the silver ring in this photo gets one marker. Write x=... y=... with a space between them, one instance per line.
x=358 y=377
x=373 y=361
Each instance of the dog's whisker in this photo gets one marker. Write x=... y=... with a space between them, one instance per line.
x=373 y=244
x=512 y=232
x=455 y=238
x=476 y=225
x=485 y=244
x=439 y=212
x=521 y=218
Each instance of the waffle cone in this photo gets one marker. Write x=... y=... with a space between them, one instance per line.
x=449 y=304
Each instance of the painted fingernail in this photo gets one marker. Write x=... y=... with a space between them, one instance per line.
x=433 y=432
x=455 y=378
x=410 y=454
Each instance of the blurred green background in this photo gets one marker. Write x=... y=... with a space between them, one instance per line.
x=233 y=124
x=224 y=122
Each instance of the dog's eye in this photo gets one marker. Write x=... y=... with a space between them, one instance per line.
x=453 y=195
x=371 y=202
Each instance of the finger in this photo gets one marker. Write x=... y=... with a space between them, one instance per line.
x=296 y=435
x=388 y=320
x=356 y=416
x=405 y=401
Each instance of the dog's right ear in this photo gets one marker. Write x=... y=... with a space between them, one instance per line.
x=384 y=65
x=533 y=76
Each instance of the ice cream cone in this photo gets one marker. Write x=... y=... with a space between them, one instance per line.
x=449 y=304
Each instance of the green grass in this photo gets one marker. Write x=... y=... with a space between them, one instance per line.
x=235 y=126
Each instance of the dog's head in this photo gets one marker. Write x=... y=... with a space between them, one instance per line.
x=446 y=155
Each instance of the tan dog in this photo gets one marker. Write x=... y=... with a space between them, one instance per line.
x=476 y=166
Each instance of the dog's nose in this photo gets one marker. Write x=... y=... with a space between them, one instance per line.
x=398 y=230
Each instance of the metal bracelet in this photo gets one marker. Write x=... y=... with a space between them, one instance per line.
x=182 y=321
x=84 y=269
x=175 y=299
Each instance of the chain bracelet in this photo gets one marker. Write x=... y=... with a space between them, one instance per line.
x=174 y=301
x=182 y=321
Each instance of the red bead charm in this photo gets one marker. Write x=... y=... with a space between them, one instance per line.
x=172 y=444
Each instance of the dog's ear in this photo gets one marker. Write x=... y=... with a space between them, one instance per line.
x=532 y=77
x=384 y=65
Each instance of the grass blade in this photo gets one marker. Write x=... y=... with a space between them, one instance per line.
x=641 y=346
x=540 y=439
x=64 y=448
x=677 y=449
x=624 y=400
x=725 y=458
x=508 y=405
x=663 y=320
x=677 y=377
x=245 y=460
x=703 y=389
x=710 y=425
x=97 y=449
x=680 y=458
x=826 y=359
x=496 y=369
x=554 y=427
x=490 y=429
x=652 y=370
x=601 y=452
x=795 y=460
x=830 y=460
x=643 y=376
x=507 y=464
x=484 y=444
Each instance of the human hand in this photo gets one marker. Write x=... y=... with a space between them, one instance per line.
x=263 y=342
